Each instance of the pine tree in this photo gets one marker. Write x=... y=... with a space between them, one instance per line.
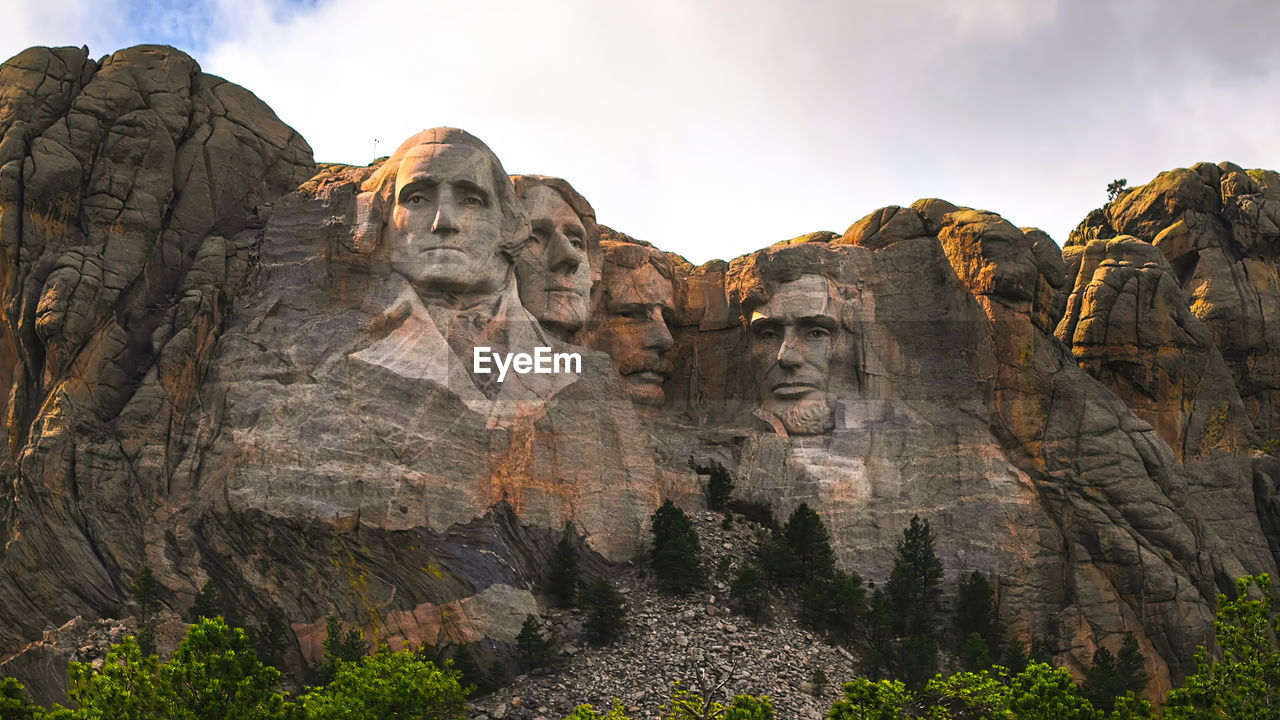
x=879 y=658
x=1101 y=684
x=536 y=650
x=495 y=678
x=719 y=487
x=750 y=593
x=605 y=611
x=146 y=592
x=1131 y=667
x=208 y=603
x=976 y=613
x=348 y=646
x=676 y=550
x=914 y=580
x=912 y=592
x=1015 y=656
x=778 y=561
x=271 y=638
x=975 y=655
x=808 y=539
x=565 y=577
x=467 y=667
x=836 y=605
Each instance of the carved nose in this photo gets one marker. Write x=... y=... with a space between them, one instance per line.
x=789 y=356
x=563 y=256
x=444 y=222
x=658 y=337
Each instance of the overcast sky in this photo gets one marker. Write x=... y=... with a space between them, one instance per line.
x=713 y=128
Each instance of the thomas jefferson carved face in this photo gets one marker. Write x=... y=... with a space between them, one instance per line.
x=553 y=271
x=792 y=338
x=638 y=303
x=445 y=229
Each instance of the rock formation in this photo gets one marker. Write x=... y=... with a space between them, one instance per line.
x=235 y=367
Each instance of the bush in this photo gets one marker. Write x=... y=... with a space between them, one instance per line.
x=869 y=700
x=339 y=645
x=976 y=613
x=605 y=611
x=388 y=685
x=750 y=593
x=836 y=605
x=14 y=704
x=565 y=576
x=1241 y=682
x=1044 y=692
x=215 y=674
x=675 y=550
x=586 y=712
x=536 y=650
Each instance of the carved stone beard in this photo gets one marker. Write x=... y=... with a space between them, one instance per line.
x=810 y=416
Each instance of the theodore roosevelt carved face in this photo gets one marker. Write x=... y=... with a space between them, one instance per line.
x=638 y=302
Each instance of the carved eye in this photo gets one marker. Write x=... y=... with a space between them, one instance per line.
x=769 y=335
x=417 y=200
x=818 y=333
x=473 y=201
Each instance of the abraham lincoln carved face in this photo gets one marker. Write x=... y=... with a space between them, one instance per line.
x=792 y=340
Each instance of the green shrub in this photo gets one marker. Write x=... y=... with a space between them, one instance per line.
x=388 y=685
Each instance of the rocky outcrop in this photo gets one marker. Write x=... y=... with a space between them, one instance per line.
x=235 y=367
x=1218 y=226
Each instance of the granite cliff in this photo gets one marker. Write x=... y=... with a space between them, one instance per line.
x=233 y=366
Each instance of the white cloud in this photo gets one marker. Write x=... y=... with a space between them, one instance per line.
x=714 y=128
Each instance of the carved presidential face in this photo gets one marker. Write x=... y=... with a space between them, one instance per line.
x=553 y=271
x=639 y=303
x=445 y=229
x=792 y=339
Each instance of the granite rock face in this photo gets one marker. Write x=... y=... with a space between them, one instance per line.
x=235 y=367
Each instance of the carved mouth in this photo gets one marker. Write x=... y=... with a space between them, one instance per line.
x=793 y=389
x=646 y=377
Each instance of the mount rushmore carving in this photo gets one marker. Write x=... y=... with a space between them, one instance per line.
x=234 y=366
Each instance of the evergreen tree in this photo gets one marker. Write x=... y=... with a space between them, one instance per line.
x=467 y=668
x=1101 y=684
x=1241 y=681
x=1015 y=656
x=208 y=603
x=719 y=487
x=145 y=590
x=975 y=655
x=835 y=604
x=913 y=582
x=675 y=550
x=339 y=646
x=536 y=650
x=807 y=537
x=494 y=679
x=271 y=638
x=750 y=593
x=565 y=577
x=1131 y=667
x=881 y=650
x=605 y=611
x=976 y=613
x=147 y=640
x=778 y=561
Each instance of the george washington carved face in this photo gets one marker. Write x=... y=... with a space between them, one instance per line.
x=792 y=341
x=447 y=216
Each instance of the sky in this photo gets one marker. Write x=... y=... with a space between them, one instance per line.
x=712 y=128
